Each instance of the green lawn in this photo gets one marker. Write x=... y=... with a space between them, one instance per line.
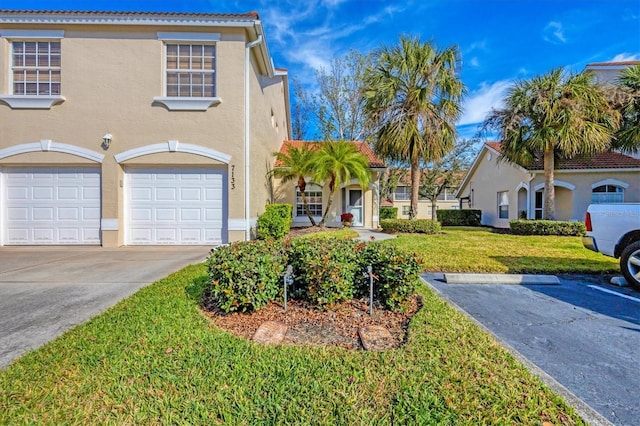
x=466 y=249
x=154 y=359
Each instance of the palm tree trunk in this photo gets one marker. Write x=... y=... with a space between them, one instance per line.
x=326 y=210
x=415 y=186
x=434 y=208
x=549 y=212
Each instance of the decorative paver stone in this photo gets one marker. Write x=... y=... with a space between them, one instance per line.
x=271 y=332
x=376 y=338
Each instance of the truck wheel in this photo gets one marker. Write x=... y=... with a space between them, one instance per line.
x=630 y=264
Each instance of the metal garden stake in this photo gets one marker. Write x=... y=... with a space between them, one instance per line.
x=288 y=280
x=370 y=274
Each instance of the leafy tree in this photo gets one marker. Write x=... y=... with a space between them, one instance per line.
x=557 y=114
x=338 y=163
x=390 y=179
x=336 y=108
x=300 y=114
x=412 y=95
x=628 y=136
x=446 y=172
x=296 y=164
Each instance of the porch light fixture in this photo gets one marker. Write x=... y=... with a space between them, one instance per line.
x=106 y=141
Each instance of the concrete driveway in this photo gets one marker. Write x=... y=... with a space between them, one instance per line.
x=583 y=333
x=45 y=291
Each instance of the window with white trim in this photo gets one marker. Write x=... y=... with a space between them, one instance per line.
x=447 y=194
x=35 y=68
x=402 y=193
x=607 y=194
x=190 y=70
x=538 y=205
x=406 y=210
x=503 y=205
x=314 y=202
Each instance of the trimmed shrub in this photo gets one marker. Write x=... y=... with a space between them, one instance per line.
x=275 y=222
x=547 y=227
x=245 y=276
x=466 y=217
x=397 y=274
x=324 y=269
x=421 y=226
x=388 y=213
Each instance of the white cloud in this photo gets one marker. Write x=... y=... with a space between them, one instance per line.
x=624 y=57
x=474 y=62
x=481 y=101
x=554 y=33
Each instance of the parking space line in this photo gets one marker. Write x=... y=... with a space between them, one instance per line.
x=614 y=293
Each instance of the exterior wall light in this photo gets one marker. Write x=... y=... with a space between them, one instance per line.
x=106 y=141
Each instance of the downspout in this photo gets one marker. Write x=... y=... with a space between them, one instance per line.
x=247 y=138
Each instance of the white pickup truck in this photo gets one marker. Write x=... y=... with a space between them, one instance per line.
x=614 y=230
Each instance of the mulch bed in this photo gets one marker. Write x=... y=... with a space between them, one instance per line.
x=308 y=325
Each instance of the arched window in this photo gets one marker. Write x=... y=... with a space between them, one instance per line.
x=607 y=194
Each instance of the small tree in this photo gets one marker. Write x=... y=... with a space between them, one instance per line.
x=446 y=172
x=297 y=164
x=337 y=163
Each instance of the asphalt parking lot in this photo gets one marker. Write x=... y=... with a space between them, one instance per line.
x=583 y=333
x=45 y=291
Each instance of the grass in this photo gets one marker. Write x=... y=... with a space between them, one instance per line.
x=468 y=249
x=342 y=234
x=154 y=359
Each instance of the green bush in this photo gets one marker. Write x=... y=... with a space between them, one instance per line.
x=547 y=227
x=421 y=226
x=459 y=217
x=388 y=213
x=275 y=222
x=245 y=276
x=397 y=274
x=324 y=269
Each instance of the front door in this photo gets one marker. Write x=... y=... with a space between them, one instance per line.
x=355 y=206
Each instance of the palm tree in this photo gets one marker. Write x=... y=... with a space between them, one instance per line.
x=628 y=137
x=296 y=164
x=553 y=115
x=412 y=95
x=337 y=163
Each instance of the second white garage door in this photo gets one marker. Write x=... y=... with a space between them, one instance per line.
x=175 y=206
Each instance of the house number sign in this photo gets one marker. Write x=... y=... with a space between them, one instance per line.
x=233 y=176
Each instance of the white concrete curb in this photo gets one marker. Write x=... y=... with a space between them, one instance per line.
x=500 y=279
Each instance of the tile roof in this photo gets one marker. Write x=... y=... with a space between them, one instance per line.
x=603 y=160
x=363 y=147
x=250 y=15
x=613 y=64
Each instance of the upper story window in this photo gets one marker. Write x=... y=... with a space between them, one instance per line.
x=447 y=194
x=607 y=194
x=189 y=71
x=35 y=69
x=402 y=193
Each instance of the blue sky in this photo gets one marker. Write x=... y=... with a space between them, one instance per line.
x=500 y=40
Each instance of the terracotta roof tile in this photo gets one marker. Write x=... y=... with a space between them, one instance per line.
x=363 y=147
x=603 y=160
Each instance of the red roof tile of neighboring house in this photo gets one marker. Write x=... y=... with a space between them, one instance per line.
x=363 y=147
x=603 y=160
x=386 y=203
x=251 y=15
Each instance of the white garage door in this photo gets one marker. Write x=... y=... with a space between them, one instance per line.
x=175 y=206
x=51 y=205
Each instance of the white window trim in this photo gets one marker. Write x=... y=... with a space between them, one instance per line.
x=500 y=204
x=175 y=103
x=29 y=101
x=614 y=182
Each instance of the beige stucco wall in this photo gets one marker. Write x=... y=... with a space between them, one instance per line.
x=489 y=178
x=109 y=78
x=424 y=207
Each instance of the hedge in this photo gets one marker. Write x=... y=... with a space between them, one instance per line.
x=547 y=227
x=388 y=213
x=275 y=222
x=414 y=226
x=459 y=217
x=245 y=276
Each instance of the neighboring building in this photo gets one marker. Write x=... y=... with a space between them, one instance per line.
x=402 y=200
x=506 y=191
x=608 y=72
x=363 y=204
x=127 y=128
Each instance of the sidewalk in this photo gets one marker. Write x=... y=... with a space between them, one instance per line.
x=365 y=234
